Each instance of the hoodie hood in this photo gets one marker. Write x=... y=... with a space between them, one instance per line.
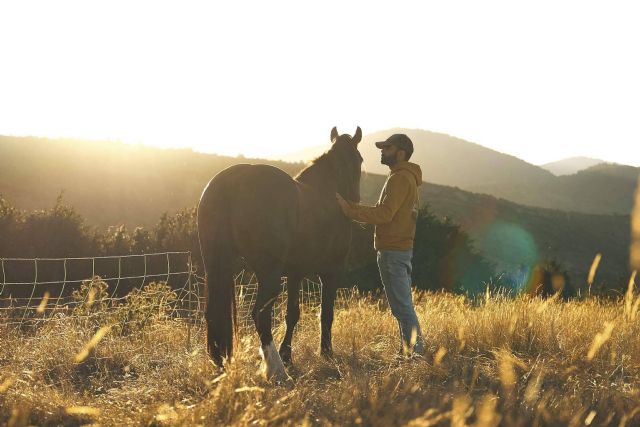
x=412 y=168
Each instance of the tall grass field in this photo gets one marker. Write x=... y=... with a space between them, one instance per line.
x=491 y=361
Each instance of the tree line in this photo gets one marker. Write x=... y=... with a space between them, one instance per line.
x=444 y=256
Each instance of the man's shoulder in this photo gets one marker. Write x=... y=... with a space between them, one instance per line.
x=402 y=176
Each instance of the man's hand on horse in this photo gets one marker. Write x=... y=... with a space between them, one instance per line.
x=344 y=205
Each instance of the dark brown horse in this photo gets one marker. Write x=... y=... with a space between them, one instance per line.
x=282 y=227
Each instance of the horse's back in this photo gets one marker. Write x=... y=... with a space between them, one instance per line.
x=250 y=185
x=259 y=205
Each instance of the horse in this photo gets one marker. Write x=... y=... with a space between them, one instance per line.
x=281 y=226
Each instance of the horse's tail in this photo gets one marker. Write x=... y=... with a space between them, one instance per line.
x=218 y=257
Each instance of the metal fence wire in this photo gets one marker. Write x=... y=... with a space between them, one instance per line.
x=38 y=290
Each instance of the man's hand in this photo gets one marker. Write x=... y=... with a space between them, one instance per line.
x=344 y=205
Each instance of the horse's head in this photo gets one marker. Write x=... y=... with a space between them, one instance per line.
x=347 y=162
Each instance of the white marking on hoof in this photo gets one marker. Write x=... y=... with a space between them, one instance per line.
x=272 y=366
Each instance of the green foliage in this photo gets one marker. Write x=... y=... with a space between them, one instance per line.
x=56 y=232
x=61 y=232
x=178 y=232
x=10 y=220
x=444 y=257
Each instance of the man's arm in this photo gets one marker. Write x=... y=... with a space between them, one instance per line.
x=397 y=190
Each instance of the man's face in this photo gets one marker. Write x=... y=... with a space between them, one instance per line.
x=389 y=155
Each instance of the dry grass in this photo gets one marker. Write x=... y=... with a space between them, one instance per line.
x=494 y=362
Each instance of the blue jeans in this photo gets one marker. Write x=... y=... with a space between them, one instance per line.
x=395 y=272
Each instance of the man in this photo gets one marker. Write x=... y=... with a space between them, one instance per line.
x=395 y=217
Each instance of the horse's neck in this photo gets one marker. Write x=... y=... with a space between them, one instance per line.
x=317 y=194
x=318 y=178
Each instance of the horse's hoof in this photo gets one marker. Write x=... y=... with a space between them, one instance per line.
x=327 y=353
x=286 y=382
x=285 y=355
x=273 y=368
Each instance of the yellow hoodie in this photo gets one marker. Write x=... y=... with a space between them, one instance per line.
x=396 y=212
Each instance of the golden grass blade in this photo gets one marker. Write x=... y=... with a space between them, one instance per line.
x=437 y=359
x=247 y=388
x=593 y=269
x=487 y=415
x=459 y=411
x=92 y=343
x=43 y=303
x=91 y=296
x=506 y=372
x=590 y=417
x=19 y=417
x=532 y=392
x=219 y=378
x=4 y=386
x=600 y=339
x=543 y=306
x=628 y=297
x=82 y=410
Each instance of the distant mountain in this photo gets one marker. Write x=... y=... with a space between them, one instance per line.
x=509 y=234
x=110 y=183
x=571 y=165
x=446 y=160
x=600 y=189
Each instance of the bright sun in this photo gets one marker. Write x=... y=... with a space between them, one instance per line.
x=264 y=80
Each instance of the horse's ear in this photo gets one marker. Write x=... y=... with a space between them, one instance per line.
x=357 y=137
x=334 y=135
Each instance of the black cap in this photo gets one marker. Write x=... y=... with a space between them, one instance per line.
x=400 y=140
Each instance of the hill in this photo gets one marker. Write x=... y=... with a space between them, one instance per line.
x=112 y=183
x=514 y=236
x=107 y=182
x=571 y=165
x=446 y=160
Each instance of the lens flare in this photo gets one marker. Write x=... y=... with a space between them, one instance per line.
x=514 y=249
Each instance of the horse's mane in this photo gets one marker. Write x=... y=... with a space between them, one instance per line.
x=316 y=163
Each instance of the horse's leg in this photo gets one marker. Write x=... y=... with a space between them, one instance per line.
x=293 y=315
x=268 y=290
x=329 y=287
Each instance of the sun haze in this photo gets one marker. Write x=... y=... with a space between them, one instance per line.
x=541 y=81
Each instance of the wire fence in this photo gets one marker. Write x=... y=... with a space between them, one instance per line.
x=40 y=290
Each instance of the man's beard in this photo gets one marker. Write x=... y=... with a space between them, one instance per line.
x=388 y=160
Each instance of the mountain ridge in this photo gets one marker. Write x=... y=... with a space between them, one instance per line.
x=571 y=165
x=447 y=160
x=112 y=184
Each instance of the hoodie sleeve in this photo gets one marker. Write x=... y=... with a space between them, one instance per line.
x=396 y=190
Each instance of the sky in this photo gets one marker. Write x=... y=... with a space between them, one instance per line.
x=541 y=80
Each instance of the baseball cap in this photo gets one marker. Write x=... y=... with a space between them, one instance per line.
x=400 y=140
